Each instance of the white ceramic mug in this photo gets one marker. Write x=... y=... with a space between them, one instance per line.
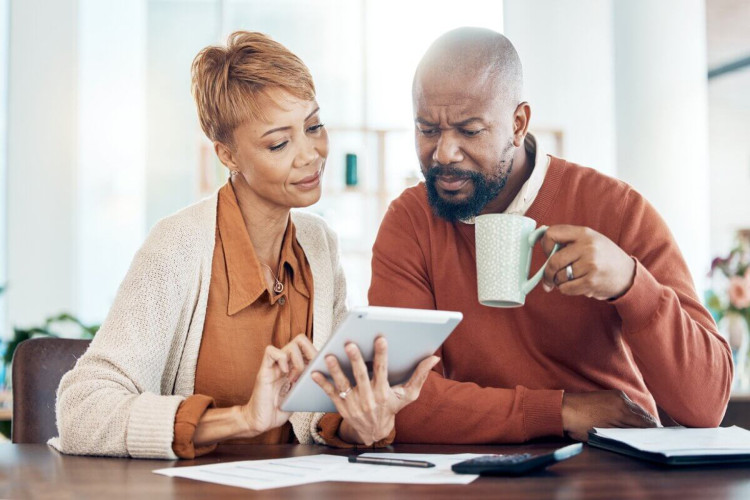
x=504 y=243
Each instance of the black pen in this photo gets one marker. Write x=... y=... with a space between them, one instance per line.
x=358 y=459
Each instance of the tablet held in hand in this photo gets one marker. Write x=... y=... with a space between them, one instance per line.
x=412 y=335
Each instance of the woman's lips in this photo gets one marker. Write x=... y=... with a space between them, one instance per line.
x=309 y=182
x=448 y=183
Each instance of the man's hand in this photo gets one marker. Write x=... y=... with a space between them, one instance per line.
x=583 y=411
x=600 y=269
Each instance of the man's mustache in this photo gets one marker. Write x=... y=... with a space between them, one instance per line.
x=448 y=171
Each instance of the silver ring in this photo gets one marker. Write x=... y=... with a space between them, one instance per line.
x=344 y=394
x=569 y=272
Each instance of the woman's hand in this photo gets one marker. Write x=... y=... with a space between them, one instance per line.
x=279 y=369
x=369 y=408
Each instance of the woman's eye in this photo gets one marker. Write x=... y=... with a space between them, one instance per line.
x=315 y=128
x=279 y=147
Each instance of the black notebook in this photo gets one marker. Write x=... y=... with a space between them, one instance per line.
x=677 y=445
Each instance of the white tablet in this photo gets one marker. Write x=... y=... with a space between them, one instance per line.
x=412 y=335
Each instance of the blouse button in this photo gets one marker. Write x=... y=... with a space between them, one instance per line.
x=282 y=301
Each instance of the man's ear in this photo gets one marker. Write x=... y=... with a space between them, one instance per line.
x=521 y=118
x=226 y=155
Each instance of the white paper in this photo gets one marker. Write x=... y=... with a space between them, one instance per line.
x=278 y=473
x=681 y=441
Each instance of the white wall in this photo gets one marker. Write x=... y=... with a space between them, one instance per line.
x=662 y=117
x=568 y=58
x=42 y=137
x=110 y=191
x=4 y=39
x=729 y=152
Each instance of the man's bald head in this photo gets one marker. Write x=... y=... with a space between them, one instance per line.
x=476 y=56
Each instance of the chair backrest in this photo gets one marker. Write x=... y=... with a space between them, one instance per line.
x=38 y=366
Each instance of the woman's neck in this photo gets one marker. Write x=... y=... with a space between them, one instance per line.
x=265 y=223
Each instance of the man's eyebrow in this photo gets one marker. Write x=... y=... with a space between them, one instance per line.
x=278 y=129
x=425 y=122
x=462 y=123
x=468 y=121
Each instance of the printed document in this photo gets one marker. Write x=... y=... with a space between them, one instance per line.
x=278 y=473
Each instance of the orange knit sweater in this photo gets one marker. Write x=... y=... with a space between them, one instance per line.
x=503 y=371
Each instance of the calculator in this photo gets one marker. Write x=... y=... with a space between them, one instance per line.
x=514 y=464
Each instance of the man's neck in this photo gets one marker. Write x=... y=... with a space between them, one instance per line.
x=523 y=165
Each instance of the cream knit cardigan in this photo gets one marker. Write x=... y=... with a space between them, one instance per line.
x=122 y=396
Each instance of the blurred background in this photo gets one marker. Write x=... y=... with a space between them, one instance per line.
x=99 y=136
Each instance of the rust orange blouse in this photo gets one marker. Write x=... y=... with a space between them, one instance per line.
x=243 y=316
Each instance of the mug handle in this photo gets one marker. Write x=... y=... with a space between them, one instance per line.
x=534 y=238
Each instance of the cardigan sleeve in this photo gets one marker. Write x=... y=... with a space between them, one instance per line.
x=111 y=402
x=338 y=313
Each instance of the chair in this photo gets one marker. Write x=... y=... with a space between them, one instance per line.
x=38 y=366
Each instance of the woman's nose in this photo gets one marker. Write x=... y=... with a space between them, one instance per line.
x=307 y=154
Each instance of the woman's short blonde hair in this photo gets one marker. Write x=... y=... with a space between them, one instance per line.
x=228 y=81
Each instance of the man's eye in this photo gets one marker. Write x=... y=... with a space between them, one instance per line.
x=470 y=133
x=279 y=147
x=428 y=131
x=315 y=128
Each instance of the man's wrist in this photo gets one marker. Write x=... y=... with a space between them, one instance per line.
x=347 y=434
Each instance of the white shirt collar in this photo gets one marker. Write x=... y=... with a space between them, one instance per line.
x=530 y=189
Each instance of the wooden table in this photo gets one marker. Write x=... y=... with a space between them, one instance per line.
x=36 y=471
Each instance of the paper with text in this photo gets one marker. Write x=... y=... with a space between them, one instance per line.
x=279 y=473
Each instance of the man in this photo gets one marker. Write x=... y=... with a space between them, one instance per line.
x=617 y=328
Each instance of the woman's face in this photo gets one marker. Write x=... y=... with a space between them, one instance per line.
x=282 y=158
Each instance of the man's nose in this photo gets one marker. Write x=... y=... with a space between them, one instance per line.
x=447 y=150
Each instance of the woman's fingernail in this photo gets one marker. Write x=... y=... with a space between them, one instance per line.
x=546 y=287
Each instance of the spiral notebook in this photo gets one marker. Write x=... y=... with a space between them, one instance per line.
x=677 y=445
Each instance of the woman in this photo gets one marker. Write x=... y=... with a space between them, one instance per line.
x=228 y=298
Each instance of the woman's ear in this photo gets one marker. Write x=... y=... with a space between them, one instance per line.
x=226 y=156
x=521 y=119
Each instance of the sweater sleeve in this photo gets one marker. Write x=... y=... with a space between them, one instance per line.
x=685 y=362
x=449 y=411
x=111 y=403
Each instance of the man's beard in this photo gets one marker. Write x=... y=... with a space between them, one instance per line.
x=486 y=189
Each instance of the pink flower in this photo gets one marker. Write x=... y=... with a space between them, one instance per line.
x=739 y=290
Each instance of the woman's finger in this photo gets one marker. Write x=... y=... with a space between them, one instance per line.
x=364 y=389
x=414 y=385
x=331 y=392
x=308 y=349
x=274 y=356
x=380 y=366
x=340 y=380
x=295 y=354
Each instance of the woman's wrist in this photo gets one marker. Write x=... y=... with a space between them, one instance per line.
x=246 y=423
x=220 y=424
